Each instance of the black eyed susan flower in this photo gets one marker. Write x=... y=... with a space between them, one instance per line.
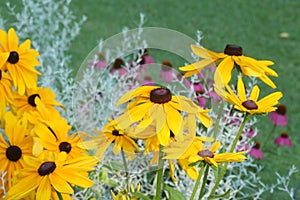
x=53 y=136
x=29 y=102
x=19 y=61
x=41 y=175
x=250 y=104
x=156 y=104
x=18 y=145
x=112 y=133
x=233 y=55
x=197 y=151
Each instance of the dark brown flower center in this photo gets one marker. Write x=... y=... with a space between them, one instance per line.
x=206 y=153
x=256 y=145
x=284 y=135
x=250 y=105
x=166 y=65
x=65 y=146
x=116 y=133
x=118 y=63
x=31 y=99
x=46 y=168
x=233 y=50
x=281 y=109
x=160 y=95
x=13 y=153
x=13 y=57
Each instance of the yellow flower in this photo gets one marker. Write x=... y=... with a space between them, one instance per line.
x=50 y=172
x=233 y=55
x=156 y=104
x=251 y=104
x=124 y=195
x=179 y=151
x=18 y=144
x=198 y=152
x=5 y=91
x=112 y=133
x=54 y=137
x=19 y=61
x=29 y=102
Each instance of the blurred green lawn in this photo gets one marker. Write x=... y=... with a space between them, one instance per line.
x=255 y=25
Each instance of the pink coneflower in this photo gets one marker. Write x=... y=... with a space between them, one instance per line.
x=100 y=63
x=146 y=59
x=279 y=117
x=283 y=139
x=118 y=66
x=167 y=71
x=201 y=101
x=256 y=152
x=148 y=80
x=198 y=88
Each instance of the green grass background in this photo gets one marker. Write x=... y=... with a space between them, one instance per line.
x=255 y=25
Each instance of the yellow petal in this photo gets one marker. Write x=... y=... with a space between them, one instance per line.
x=254 y=93
x=136 y=92
x=270 y=100
x=215 y=146
x=224 y=70
x=13 y=40
x=241 y=90
x=174 y=119
x=44 y=189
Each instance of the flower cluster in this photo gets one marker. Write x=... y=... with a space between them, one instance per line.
x=169 y=125
x=39 y=157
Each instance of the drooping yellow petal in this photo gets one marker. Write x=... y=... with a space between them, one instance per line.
x=164 y=135
x=224 y=70
x=174 y=119
x=44 y=189
x=23 y=188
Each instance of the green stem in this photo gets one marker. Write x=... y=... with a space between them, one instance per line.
x=159 y=173
x=59 y=195
x=220 y=113
x=204 y=182
x=269 y=135
x=126 y=170
x=197 y=182
x=231 y=150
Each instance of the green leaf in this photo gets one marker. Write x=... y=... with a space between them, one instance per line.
x=226 y=195
x=140 y=196
x=174 y=194
x=195 y=163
